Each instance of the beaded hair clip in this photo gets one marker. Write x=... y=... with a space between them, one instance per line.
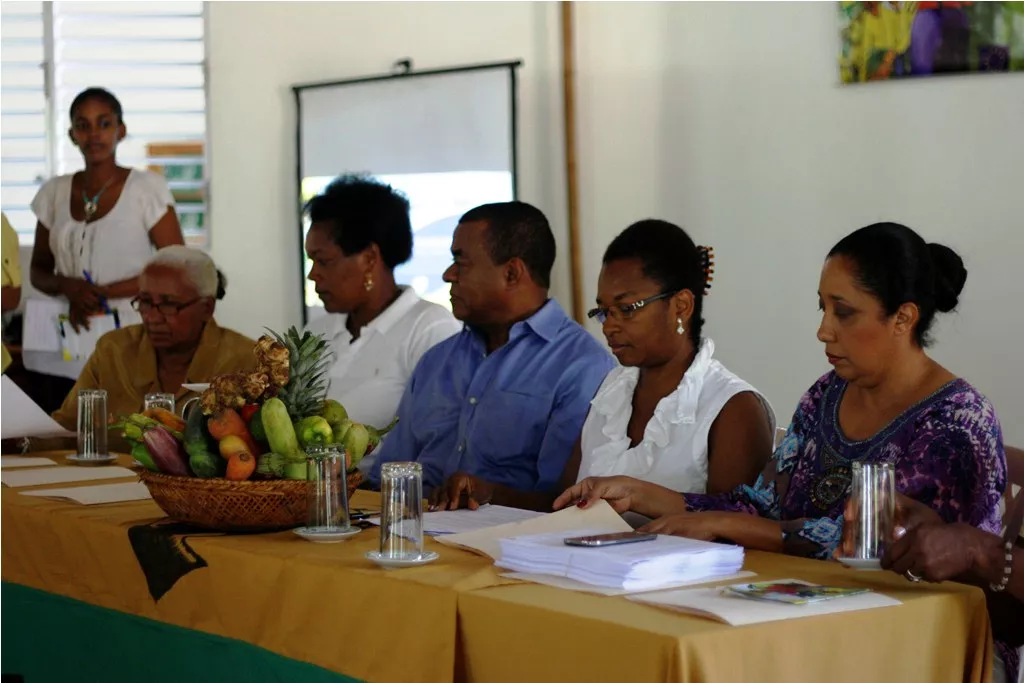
x=707 y=263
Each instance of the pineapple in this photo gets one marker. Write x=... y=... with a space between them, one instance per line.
x=309 y=359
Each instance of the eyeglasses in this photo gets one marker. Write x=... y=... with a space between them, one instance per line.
x=625 y=311
x=166 y=308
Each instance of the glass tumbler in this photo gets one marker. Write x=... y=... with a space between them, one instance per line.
x=92 y=424
x=869 y=517
x=401 y=514
x=327 y=490
x=165 y=401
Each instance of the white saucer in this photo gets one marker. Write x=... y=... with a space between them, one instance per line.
x=102 y=460
x=325 y=535
x=388 y=563
x=868 y=565
x=198 y=388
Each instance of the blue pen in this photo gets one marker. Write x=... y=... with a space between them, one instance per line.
x=103 y=302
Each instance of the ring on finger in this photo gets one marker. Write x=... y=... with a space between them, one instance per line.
x=912 y=576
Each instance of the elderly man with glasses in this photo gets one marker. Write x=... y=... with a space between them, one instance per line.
x=177 y=343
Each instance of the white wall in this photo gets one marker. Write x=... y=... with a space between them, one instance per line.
x=728 y=119
x=257 y=51
x=724 y=117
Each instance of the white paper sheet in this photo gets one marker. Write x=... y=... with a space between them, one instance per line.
x=461 y=521
x=40 y=330
x=711 y=604
x=78 y=346
x=22 y=461
x=96 y=495
x=600 y=515
x=572 y=585
x=61 y=475
x=20 y=416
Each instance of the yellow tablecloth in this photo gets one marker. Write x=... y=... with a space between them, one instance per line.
x=319 y=603
x=457 y=619
x=532 y=633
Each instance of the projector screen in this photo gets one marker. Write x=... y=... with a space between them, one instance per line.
x=445 y=138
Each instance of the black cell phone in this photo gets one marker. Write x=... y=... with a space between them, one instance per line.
x=602 y=540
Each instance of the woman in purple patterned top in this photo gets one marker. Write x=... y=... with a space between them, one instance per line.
x=885 y=401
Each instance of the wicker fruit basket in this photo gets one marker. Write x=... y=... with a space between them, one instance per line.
x=223 y=505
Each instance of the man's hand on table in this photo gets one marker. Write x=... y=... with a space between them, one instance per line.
x=462 y=490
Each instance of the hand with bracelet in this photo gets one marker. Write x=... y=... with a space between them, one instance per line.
x=931 y=550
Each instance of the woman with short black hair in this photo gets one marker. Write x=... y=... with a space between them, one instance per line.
x=378 y=330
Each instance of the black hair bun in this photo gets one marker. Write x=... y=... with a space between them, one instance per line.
x=222 y=284
x=950 y=276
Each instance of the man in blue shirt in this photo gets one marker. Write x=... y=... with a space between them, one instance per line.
x=492 y=413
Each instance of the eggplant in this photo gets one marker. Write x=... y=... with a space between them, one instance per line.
x=167 y=452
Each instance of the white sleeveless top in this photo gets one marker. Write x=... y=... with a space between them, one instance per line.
x=674 y=450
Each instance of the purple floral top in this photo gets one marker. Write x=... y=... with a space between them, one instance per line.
x=946 y=451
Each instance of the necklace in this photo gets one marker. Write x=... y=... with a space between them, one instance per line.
x=93 y=204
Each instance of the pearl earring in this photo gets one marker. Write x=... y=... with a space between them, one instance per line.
x=680 y=329
x=368 y=283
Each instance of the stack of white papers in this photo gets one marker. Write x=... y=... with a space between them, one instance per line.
x=665 y=561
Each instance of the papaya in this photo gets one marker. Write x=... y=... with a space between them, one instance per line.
x=333 y=412
x=357 y=438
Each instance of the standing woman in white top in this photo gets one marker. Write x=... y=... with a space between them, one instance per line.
x=105 y=220
x=670 y=414
x=378 y=330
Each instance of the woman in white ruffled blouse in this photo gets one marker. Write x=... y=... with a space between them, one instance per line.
x=670 y=414
x=98 y=228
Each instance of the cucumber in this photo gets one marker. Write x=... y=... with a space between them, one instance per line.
x=280 y=431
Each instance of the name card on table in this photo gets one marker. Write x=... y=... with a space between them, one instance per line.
x=24 y=461
x=96 y=495
x=61 y=475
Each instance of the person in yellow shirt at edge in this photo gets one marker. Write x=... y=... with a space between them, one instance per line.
x=11 y=276
x=178 y=342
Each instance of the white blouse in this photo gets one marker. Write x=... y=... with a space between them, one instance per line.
x=369 y=374
x=113 y=248
x=674 y=450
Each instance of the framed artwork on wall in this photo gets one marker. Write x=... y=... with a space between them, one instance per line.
x=891 y=40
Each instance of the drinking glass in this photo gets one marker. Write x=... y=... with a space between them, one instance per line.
x=869 y=517
x=327 y=490
x=165 y=401
x=92 y=424
x=401 y=514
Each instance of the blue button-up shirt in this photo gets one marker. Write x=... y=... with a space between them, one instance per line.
x=511 y=417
